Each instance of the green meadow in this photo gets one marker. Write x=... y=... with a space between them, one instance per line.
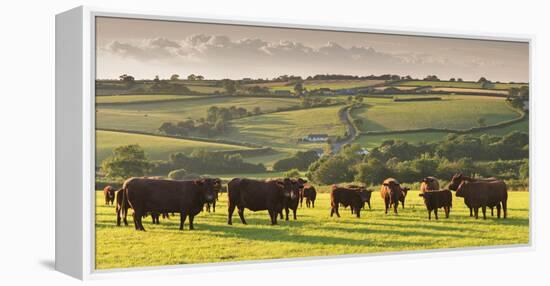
x=452 y=112
x=457 y=84
x=315 y=233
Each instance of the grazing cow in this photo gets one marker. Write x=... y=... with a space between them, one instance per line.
x=310 y=194
x=429 y=184
x=403 y=195
x=391 y=192
x=483 y=194
x=366 y=193
x=347 y=197
x=297 y=189
x=457 y=179
x=146 y=195
x=109 y=193
x=257 y=195
x=212 y=205
x=437 y=199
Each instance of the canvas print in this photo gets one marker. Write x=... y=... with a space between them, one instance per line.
x=227 y=143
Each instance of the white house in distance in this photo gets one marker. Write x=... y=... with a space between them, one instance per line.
x=316 y=138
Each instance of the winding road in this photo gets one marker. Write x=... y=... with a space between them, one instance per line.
x=352 y=132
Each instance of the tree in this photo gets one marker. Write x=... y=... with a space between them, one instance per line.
x=175 y=77
x=459 y=79
x=293 y=173
x=257 y=110
x=128 y=79
x=157 y=79
x=126 y=161
x=452 y=79
x=298 y=89
x=229 y=86
x=191 y=77
x=482 y=80
x=199 y=77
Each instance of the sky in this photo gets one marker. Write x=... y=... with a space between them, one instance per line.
x=145 y=48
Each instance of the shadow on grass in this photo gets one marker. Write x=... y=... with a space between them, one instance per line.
x=278 y=234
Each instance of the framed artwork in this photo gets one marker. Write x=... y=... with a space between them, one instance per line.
x=214 y=142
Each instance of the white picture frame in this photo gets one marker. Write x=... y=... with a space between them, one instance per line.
x=75 y=147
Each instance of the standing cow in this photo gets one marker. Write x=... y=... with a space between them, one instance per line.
x=310 y=194
x=257 y=195
x=483 y=194
x=391 y=192
x=457 y=179
x=146 y=195
x=347 y=197
x=365 y=193
x=437 y=199
x=291 y=202
x=403 y=195
x=120 y=213
x=109 y=194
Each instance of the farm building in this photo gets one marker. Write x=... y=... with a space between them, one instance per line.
x=316 y=138
x=363 y=151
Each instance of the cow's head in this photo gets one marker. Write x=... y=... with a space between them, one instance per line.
x=110 y=192
x=463 y=189
x=455 y=181
x=365 y=195
x=295 y=187
x=210 y=187
x=405 y=190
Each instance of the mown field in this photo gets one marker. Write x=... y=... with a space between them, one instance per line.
x=315 y=233
x=457 y=84
x=156 y=147
x=109 y=99
x=283 y=129
x=452 y=112
x=148 y=117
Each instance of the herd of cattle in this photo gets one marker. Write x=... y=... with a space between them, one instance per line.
x=156 y=197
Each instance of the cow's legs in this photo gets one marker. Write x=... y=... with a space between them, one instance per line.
x=358 y=212
x=498 y=210
x=331 y=211
x=368 y=202
x=504 y=209
x=191 y=218
x=395 y=207
x=387 y=205
x=118 y=216
x=140 y=222
x=492 y=214
x=483 y=210
x=230 y=210
x=403 y=204
x=471 y=214
x=214 y=206
x=435 y=213
x=125 y=217
x=294 y=212
x=429 y=214
x=183 y=216
x=336 y=211
x=476 y=212
x=273 y=216
x=241 y=214
x=312 y=203
x=447 y=211
x=286 y=213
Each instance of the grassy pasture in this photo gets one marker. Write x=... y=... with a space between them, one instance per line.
x=371 y=141
x=457 y=84
x=141 y=98
x=316 y=84
x=454 y=112
x=315 y=233
x=156 y=147
x=283 y=129
x=477 y=90
x=149 y=116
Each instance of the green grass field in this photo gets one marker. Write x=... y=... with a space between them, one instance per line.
x=465 y=84
x=315 y=233
x=148 y=117
x=117 y=99
x=156 y=147
x=283 y=129
x=453 y=112
x=371 y=141
x=316 y=84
